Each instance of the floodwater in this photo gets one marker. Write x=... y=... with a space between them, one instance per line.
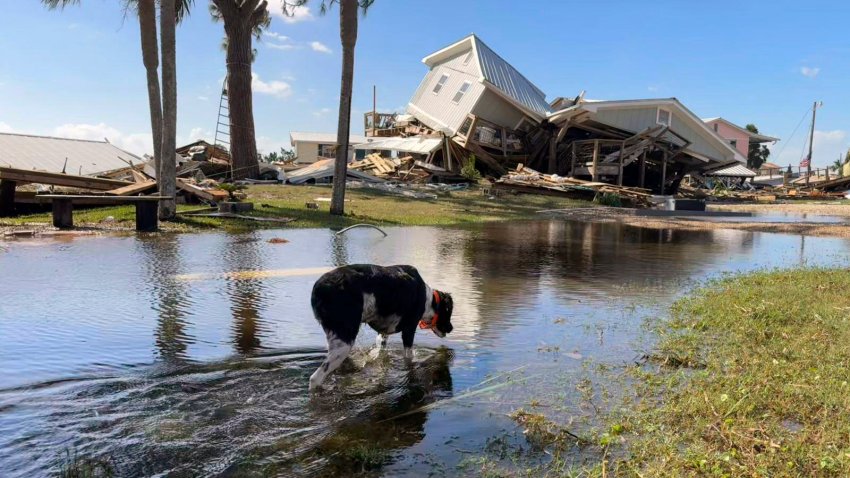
x=188 y=355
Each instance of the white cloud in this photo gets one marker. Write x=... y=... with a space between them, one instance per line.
x=266 y=145
x=320 y=47
x=277 y=36
x=203 y=98
x=5 y=128
x=652 y=88
x=276 y=88
x=137 y=143
x=322 y=112
x=810 y=72
x=298 y=14
x=198 y=133
x=286 y=47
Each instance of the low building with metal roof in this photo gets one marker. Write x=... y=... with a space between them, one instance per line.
x=56 y=155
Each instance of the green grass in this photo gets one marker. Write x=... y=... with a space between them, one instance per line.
x=362 y=205
x=753 y=381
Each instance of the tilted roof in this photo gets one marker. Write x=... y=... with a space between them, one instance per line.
x=500 y=75
x=46 y=153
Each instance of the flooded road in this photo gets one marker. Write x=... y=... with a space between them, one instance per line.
x=188 y=355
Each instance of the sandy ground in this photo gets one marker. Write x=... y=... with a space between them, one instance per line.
x=831 y=208
x=808 y=226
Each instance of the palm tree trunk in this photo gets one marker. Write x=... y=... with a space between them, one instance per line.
x=348 y=36
x=243 y=143
x=167 y=174
x=150 y=58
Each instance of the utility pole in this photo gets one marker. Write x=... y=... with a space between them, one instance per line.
x=811 y=140
x=374 y=108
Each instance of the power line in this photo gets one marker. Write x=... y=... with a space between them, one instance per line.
x=792 y=134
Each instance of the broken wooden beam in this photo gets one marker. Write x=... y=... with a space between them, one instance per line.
x=132 y=189
x=59 y=179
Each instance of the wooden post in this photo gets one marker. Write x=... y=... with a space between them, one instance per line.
x=146 y=218
x=811 y=140
x=63 y=213
x=642 y=177
x=595 y=174
x=573 y=161
x=448 y=157
x=622 y=151
x=374 y=108
x=663 y=172
x=553 y=154
x=7 y=198
x=504 y=142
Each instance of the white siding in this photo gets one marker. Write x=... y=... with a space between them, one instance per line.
x=306 y=152
x=639 y=118
x=494 y=108
x=439 y=110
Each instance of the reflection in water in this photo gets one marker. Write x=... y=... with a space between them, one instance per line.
x=170 y=297
x=339 y=250
x=246 y=295
x=554 y=296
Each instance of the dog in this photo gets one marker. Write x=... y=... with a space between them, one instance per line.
x=389 y=299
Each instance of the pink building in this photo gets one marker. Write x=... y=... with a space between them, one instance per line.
x=737 y=137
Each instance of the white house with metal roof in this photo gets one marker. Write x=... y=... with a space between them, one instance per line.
x=467 y=77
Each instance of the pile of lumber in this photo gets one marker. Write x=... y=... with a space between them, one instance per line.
x=404 y=169
x=379 y=166
x=525 y=179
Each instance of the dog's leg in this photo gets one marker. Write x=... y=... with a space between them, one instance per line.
x=407 y=341
x=381 y=340
x=338 y=350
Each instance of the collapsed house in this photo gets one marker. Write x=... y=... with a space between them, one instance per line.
x=472 y=102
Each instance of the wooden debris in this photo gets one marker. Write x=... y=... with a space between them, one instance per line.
x=132 y=189
x=59 y=179
x=525 y=179
x=208 y=194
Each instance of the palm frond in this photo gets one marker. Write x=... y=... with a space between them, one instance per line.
x=183 y=9
x=60 y=4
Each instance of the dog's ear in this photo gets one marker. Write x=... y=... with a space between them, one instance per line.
x=446 y=304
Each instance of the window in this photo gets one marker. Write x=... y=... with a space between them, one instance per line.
x=464 y=128
x=440 y=83
x=715 y=127
x=461 y=92
x=664 y=117
x=734 y=143
x=327 y=150
x=467 y=58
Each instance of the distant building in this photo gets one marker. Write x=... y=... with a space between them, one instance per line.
x=738 y=137
x=311 y=147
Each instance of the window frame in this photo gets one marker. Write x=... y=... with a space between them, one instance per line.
x=464 y=88
x=441 y=82
x=669 y=122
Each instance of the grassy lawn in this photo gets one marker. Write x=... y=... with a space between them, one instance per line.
x=362 y=206
x=753 y=381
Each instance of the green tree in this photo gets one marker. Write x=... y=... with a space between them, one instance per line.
x=243 y=21
x=757 y=154
x=348 y=10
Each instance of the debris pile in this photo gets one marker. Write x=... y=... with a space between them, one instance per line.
x=527 y=180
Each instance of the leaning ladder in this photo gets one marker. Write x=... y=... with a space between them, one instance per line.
x=222 y=123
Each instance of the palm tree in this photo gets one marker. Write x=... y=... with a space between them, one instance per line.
x=348 y=36
x=146 y=10
x=243 y=20
x=167 y=174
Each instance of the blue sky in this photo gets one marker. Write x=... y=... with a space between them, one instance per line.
x=78 y=72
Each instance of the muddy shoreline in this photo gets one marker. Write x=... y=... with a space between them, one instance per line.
x=807 y=228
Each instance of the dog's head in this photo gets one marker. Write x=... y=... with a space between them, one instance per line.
x=443 y=311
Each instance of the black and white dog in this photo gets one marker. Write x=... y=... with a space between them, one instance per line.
x=390 y=299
